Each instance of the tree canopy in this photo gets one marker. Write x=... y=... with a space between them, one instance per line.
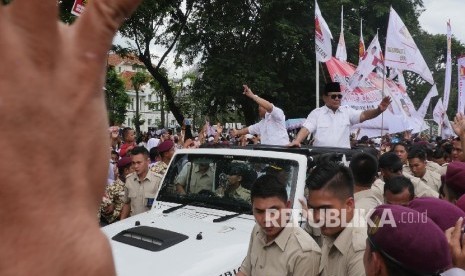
x=269 y=45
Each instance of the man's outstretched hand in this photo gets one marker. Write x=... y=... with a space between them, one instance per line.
x=54 y=145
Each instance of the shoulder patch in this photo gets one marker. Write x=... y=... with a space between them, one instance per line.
x=306 y=242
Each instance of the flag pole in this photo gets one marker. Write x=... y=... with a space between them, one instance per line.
x=384 y=81
x=317 y=81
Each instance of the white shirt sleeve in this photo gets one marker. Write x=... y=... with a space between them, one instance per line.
x=310 y=122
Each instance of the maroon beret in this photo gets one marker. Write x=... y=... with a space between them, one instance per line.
x=442 y=212
x=123 y=162
x=409 y=239
x=461 y=203
x=455 y=177
x=165 y=146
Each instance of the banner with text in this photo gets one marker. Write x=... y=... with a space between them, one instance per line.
x=400 y=115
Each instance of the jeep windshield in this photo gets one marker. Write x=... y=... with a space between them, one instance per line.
x=222 y=178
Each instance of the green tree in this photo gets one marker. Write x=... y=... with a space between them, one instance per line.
x=116 y=97
x=137 y=81
x=157 y=23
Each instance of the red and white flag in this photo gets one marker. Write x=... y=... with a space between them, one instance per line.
x=401 y=50
x=448 y=67
x=461 y=92
x=78 y=7
x=371 y=60
x=323 y=37
x=361 y=44
x=341 y=51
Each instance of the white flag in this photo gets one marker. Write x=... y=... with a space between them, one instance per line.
x=421 y=112
x=461 y=92
x=341 y=51
x=323 y=37
x=448 y=67
x=401 y=50
x=399 y=74
x=372 y=59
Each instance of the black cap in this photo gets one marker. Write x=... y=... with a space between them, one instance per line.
x=332 y=87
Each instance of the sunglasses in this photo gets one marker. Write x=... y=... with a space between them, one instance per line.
x=334 y=96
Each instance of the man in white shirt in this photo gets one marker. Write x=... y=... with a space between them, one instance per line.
x=272 y=127
x=331 y=123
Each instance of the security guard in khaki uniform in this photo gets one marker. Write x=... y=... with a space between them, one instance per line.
x=233 y=186
x=277 y=248
x=141 y=186
x=332 y=207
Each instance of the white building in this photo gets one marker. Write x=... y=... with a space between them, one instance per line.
x=126 y=68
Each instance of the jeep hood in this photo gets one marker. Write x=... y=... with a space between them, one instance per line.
x=193 y=255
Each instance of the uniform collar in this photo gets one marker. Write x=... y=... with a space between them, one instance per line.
x=343 y=240
x=281 y=240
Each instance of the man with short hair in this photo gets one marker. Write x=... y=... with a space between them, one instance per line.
x=364 y=167
x=417 y=163
x=331 y=200
x=272 y=127
x=279 y=249
x=398 y=190
x=141 y=186
x=390 y=165
x=330 y=124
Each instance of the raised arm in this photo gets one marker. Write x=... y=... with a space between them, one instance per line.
x=372 y=113
x=261 y=102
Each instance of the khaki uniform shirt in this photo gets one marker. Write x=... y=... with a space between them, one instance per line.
x=420 y=188
x=343 y=255
x=138 y=192
x=443 y=169
x=293 y=252
x=432 y=179
x=239 y=193
x=366 y=200
x=198 y=181
x=430 y=165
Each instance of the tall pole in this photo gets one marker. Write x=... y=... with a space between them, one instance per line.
x=317 y=81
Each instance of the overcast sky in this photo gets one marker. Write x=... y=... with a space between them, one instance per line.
x=434 y=18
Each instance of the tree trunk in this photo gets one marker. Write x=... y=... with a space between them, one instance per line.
x=162 y=110
x=167 y=90
x=136 y=121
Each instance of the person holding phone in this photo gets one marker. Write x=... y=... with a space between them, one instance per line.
x=330 y=124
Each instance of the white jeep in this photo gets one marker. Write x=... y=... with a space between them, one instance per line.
x=205 y=232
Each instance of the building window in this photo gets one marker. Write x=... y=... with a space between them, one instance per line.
x=149 y=121
x=129 y=122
